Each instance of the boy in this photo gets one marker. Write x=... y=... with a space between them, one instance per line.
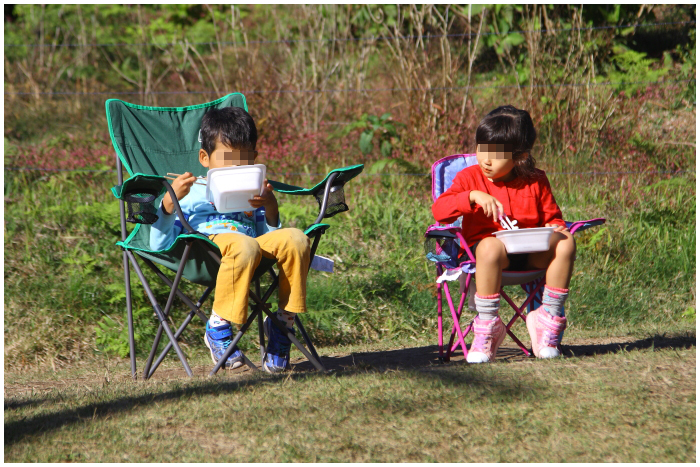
x=228 y=139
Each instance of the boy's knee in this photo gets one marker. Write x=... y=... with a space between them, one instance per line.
x=245 y=249
x=297 y=240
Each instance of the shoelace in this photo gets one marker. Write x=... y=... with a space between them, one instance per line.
x=550 y=338
x=481 y=341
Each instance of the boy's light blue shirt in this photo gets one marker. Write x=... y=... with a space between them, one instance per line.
x=204 y=218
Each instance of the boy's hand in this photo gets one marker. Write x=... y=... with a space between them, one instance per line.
x=268 y=200
x=557 y=227
x=491 y=206
x=181 y=186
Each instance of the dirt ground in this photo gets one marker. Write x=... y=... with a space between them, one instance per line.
x=422 y=358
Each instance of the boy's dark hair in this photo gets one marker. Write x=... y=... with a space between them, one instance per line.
x=508 y=125
x=233 y=126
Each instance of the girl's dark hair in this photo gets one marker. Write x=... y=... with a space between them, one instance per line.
x=514 y=127
x=233 y=126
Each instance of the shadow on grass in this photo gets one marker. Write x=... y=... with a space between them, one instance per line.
x=655 y=342
x=16 y=431
x=421 y=362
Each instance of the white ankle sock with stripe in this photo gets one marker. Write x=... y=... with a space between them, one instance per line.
x=553 y=300
x=487 y=306
x=216 y=320
x=286 y=317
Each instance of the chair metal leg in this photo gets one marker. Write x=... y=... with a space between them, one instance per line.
x=161 y=317
x=261 y=331
x=130 y=317
x=195 y=311
x=460 y=308
x=439 y=312
x=167 y=348
x=166 y=311
x=234 y=343
x=455 y=319
x=309 y=344
x=182 y=296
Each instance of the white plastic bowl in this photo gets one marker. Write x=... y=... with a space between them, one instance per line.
x=230 y=188
x=525 y=240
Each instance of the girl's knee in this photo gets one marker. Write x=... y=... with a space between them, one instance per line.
x=490 y=250
x=566 y=245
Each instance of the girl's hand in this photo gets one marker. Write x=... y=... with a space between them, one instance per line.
x=269 y=201
x=181 y=186
x=557 y=227
x=491 y=206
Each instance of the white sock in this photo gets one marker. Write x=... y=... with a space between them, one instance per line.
x=216 y=320
x=286 y=317
x=487 y=306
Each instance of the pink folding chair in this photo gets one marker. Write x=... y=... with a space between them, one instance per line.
x=442 y=245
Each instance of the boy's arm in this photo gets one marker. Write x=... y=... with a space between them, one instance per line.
x=454 y=202
x=262 y=225
x=268 y=200
x=166 y=229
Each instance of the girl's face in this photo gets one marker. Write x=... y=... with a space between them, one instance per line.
x=495 y=161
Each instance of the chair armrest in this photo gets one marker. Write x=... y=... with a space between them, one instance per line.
x=583 y=225
x=139 y=192
x=138 y=184
x=442 y=231
x=178 y=209
x=329 y=193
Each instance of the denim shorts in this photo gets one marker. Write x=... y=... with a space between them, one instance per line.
x=516 y=262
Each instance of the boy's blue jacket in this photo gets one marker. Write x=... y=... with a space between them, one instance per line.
x=204 y=218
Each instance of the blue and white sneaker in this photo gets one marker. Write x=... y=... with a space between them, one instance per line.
x=218 y=339
x=278 y=346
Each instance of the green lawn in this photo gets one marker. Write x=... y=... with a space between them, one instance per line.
x=611 y=403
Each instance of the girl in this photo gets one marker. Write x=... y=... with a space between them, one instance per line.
x=505 y=181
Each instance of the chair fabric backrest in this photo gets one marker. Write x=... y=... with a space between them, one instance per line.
x=155 y=141
x=158 y=140
x=444 y=171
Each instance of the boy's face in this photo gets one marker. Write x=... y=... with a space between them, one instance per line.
x=225 y=156
x=495 y=160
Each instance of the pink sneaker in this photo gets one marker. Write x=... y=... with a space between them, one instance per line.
x=545 y=332
x=488 y=336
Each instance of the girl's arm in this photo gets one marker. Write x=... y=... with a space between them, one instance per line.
x=454 y=202
x=549 y=210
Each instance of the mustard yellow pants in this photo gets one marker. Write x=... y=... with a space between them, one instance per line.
x=241 y=255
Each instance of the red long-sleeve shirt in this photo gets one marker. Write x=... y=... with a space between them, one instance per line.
x=529 y=202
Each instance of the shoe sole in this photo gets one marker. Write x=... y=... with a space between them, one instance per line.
x=232 y=367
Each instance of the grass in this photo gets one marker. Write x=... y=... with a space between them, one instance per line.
x=568 y=410
x=382 y=285
x=626 y=393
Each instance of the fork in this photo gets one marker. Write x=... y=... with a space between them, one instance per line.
x=508 y=224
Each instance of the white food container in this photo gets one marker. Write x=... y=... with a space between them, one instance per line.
x=230 y=188
x=525 y=240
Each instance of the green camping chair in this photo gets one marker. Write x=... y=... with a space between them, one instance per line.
x=149 y=143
